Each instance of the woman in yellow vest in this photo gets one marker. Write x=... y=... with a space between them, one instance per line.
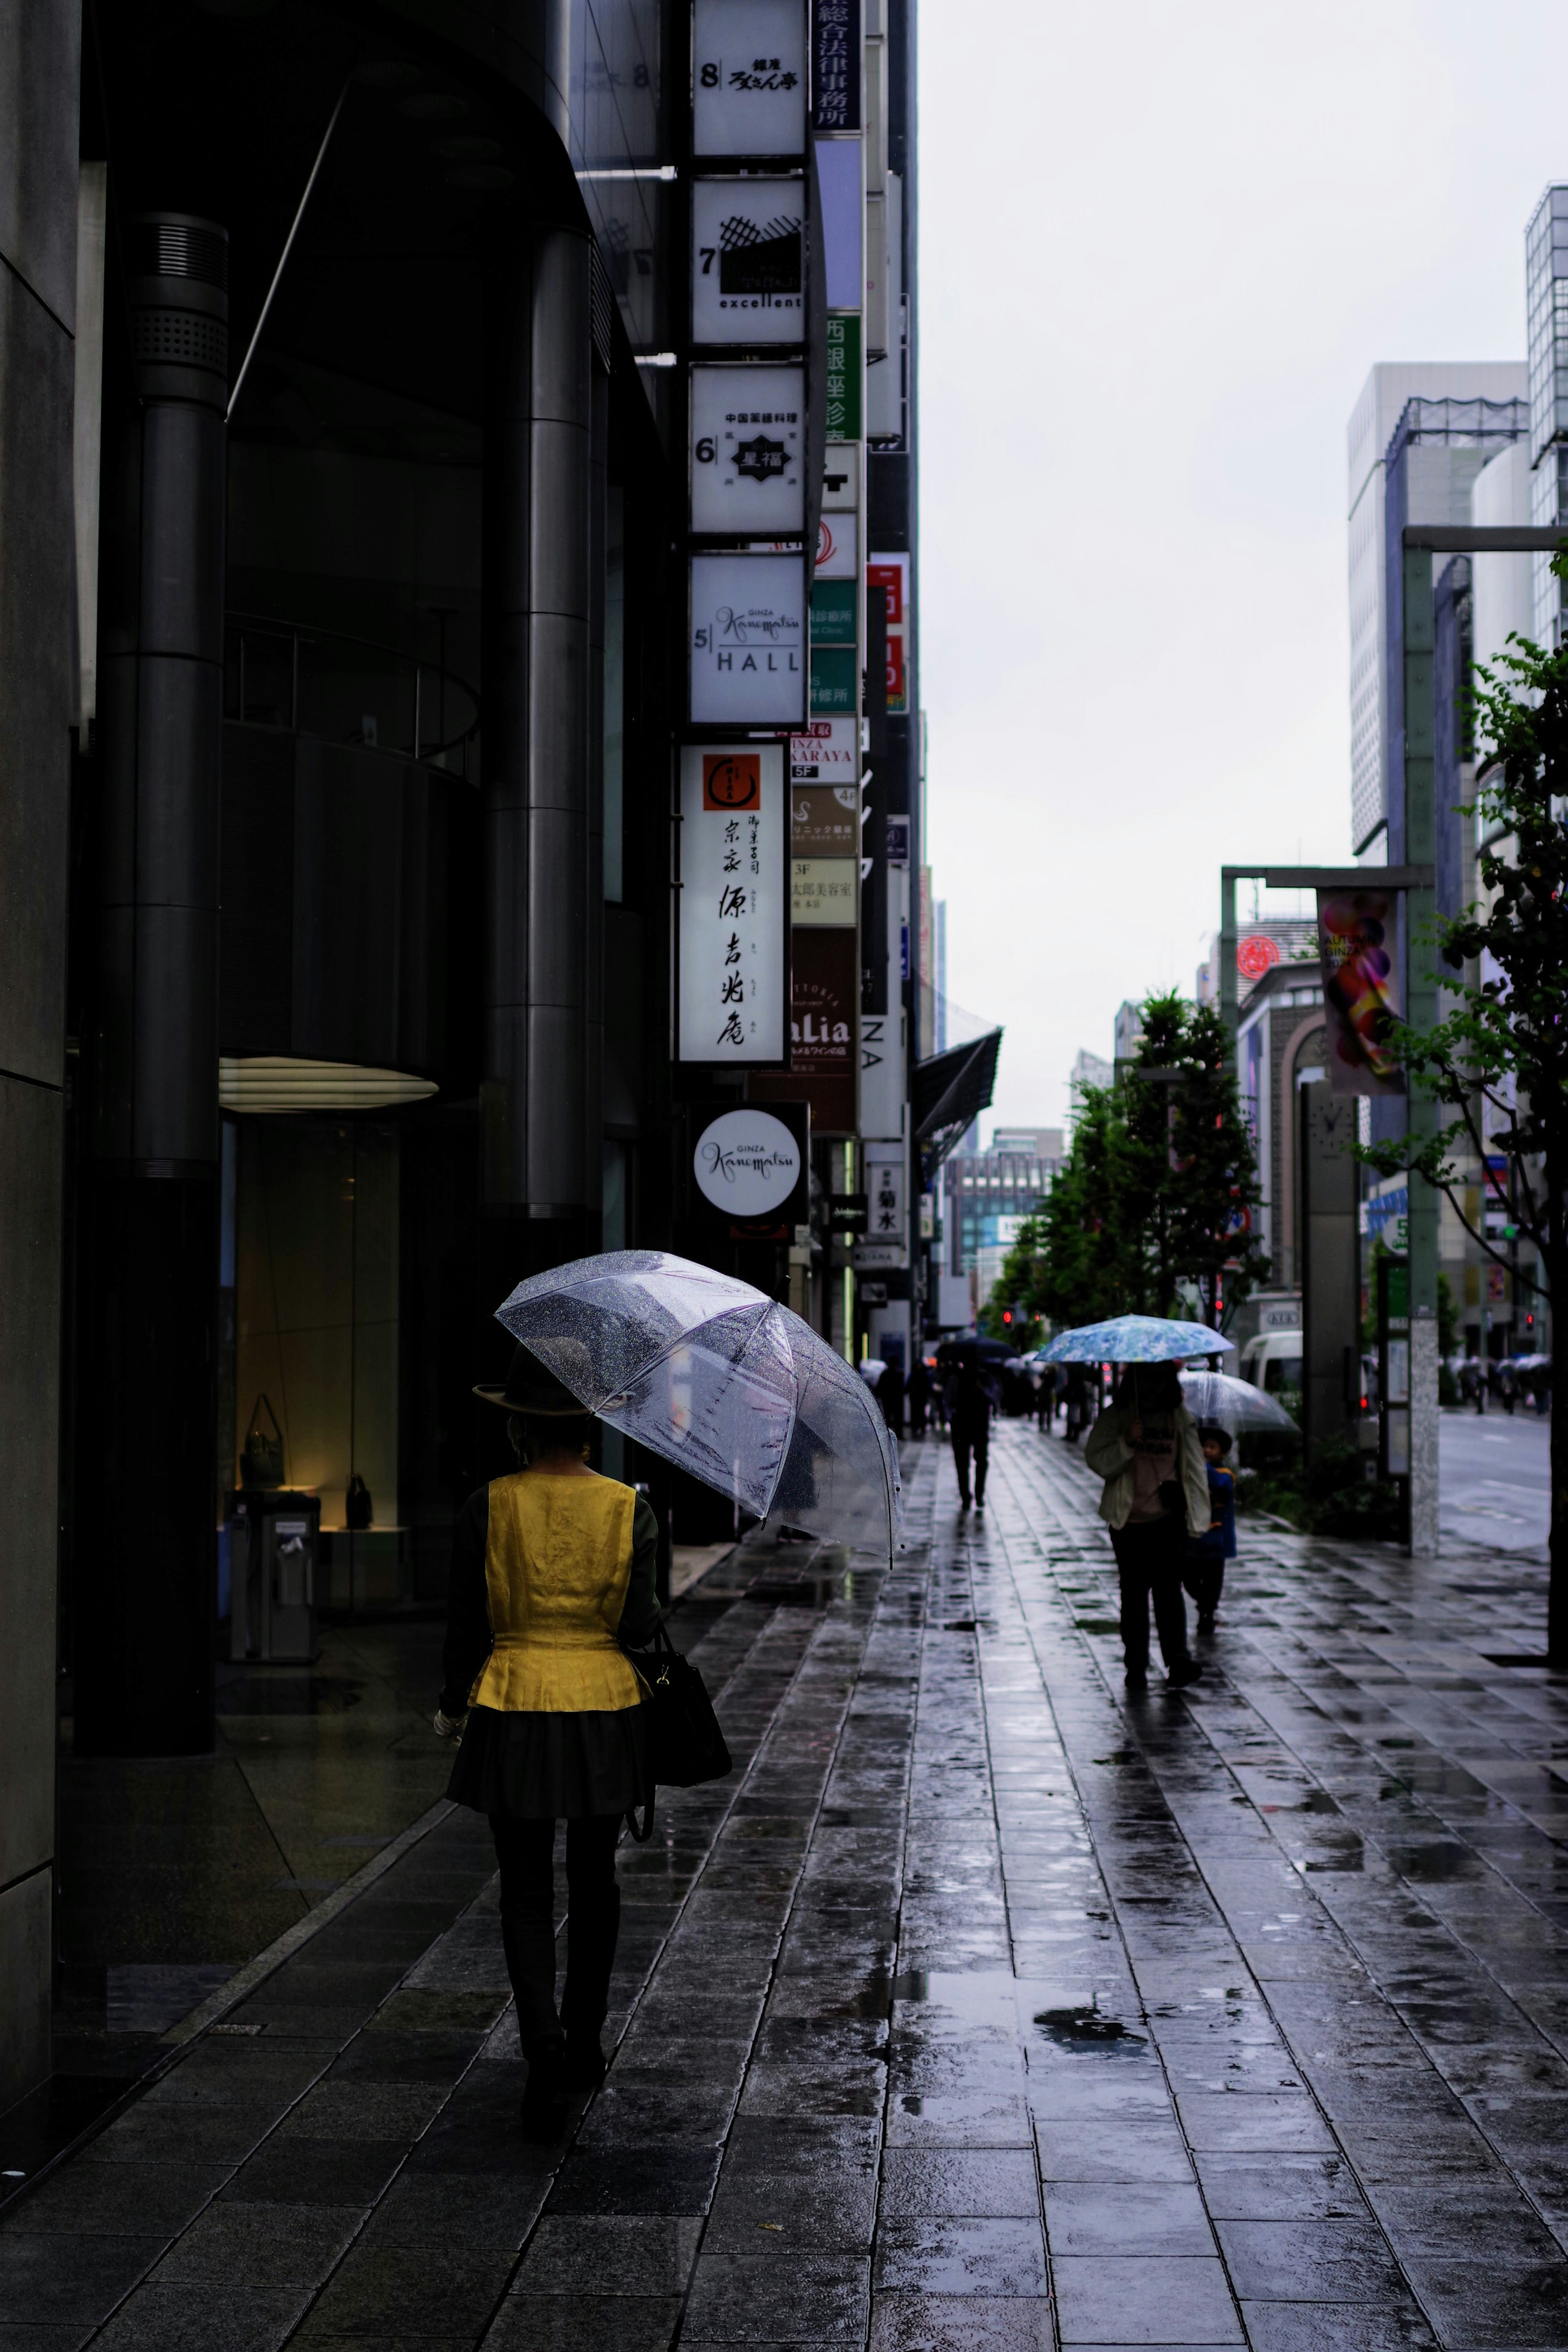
x=551 y=1569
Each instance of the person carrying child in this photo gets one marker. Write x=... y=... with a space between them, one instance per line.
x=1203 y=1572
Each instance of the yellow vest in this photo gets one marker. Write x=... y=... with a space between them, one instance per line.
x=557 y=1560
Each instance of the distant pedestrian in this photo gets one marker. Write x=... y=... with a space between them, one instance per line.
x=939 y=1403
x=1508 y=1384
x=552 y=1568
x=1207 y=1553
x=969 y=1404
x=1045 y=1399
x=1077 y=1413
x=890 y=1396
x=1145 y=1446
x=1472 y=1384
x=919 y=1395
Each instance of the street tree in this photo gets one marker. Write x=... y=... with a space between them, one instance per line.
x=1497 y=1060
x=1190 y=1175
x=1158 y=1189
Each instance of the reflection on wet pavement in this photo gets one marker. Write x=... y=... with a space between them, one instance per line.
x=983 y=2008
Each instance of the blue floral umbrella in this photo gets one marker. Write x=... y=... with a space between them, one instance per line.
x=1134 y=1340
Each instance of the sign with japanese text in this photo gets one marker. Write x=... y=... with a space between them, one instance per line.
x=733 y=905
x=828 y=752
x=1356 y=933
x=749 y=76
x=836 y=682
x=824 y=892
x=891 y=574
x=748 y=640
x=844 y=378
x=836 y=65
x=824 y=820
x=747 y=261
x=887 y=1242
x=748 y=444
x=835 y=612
x=824 y=1003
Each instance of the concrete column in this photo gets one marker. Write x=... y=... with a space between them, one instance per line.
x=543 y=1014
x=147 y=1363
x=1418 y=784
x=39 y=78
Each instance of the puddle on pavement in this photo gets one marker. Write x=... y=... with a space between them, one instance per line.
x=796 y=1591
x=1086 y=2029
x=1319 y=1801
x=1098 y=1624
x=1433 y=1864
x=994 y=1997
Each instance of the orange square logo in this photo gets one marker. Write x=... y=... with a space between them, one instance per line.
x=732 y=780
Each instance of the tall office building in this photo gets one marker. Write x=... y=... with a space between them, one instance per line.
x=1443 y=451
x=385 y=464
x=1546 y=315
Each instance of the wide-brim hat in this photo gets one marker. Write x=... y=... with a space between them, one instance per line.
x=530 y=1387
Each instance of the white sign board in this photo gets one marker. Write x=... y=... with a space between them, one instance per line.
x=734 y=905
x=749 y=77
x=887 y=1242
x=824 y=893
x=748 y=261
x=748 y=435
x=747 y=1162
x=748 y=640
x=828 y=752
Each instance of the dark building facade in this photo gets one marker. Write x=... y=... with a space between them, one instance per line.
x=343 y=640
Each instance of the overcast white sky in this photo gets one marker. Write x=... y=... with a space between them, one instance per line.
x=1161 y=246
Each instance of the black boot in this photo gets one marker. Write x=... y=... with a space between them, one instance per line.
x=543 y=2111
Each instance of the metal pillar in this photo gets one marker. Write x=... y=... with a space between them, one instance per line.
x=1418 y=784
x=145 y=1583
x=542 y=1180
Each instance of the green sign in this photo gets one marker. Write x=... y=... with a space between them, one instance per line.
x=845 y=376
x=835 y=684
x=833 y=613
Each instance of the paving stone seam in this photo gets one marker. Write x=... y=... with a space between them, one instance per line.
x=1085 y=1654
x=926 y=1543
x=177 y=2057
x=966 y=1552
x=1070 y=1774
x=1280 y=1734
x=845 y=1712
x=1389 y=2004
x=1473 y=1952
x=1390 y=1999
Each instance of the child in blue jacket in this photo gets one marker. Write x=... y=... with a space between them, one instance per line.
x=1207 y=1553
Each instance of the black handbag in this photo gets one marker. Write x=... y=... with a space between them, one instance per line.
x=261 y=1461
x=684 y=1744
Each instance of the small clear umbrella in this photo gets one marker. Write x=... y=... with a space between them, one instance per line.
x=723 y=1381
x=1232 y=1405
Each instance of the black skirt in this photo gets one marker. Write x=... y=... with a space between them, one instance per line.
x=551 y=1768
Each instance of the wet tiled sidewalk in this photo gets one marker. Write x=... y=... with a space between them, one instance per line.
x=869 y=2087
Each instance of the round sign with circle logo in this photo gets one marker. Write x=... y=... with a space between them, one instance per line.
x=747 y=1162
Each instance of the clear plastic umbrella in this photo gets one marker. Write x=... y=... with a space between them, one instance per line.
x=1232 y=1405
x=723 y=1381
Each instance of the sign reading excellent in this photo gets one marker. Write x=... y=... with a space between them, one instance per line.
x=747 y=1163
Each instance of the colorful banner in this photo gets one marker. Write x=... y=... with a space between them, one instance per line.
x=1357 y=931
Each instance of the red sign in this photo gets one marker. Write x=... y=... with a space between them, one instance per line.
x=1256 y=955
x=732 y=780
x=889 y=576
